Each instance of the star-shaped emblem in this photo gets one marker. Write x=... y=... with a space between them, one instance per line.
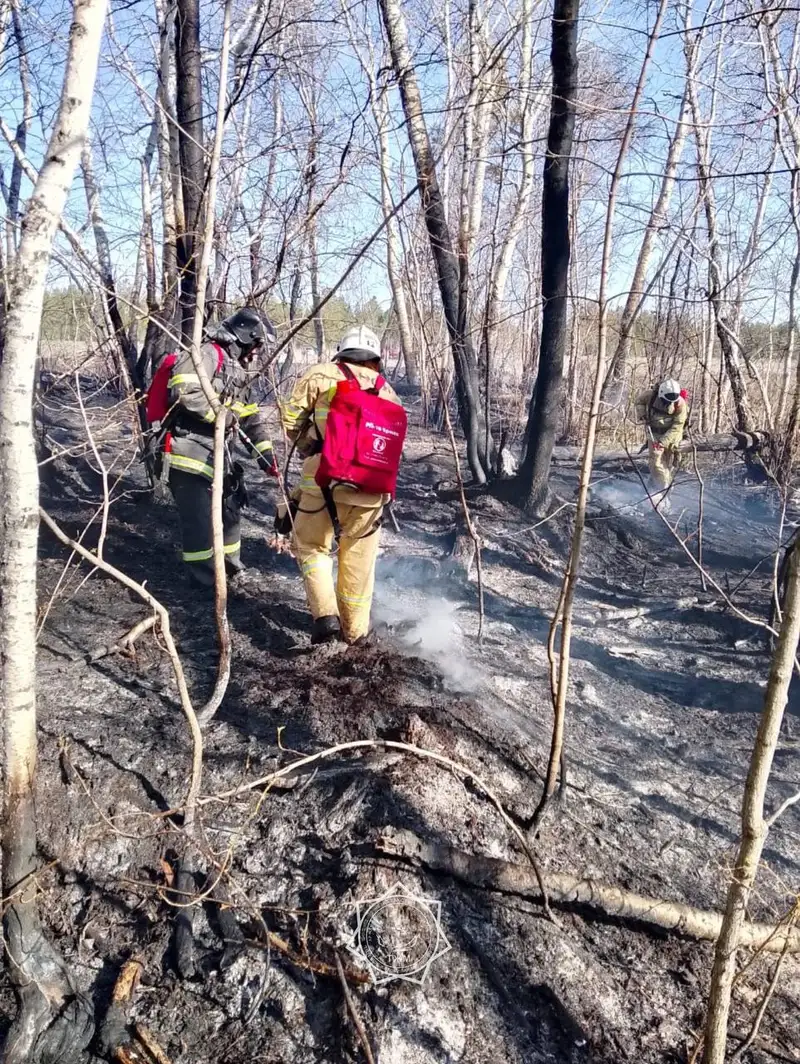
x=399 y=935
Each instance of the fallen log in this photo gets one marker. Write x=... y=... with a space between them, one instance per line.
x=745 y=442
x=491 y=873
x=629 y=613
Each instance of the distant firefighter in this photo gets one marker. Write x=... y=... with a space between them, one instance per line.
x=664 y=411
x=349 y=426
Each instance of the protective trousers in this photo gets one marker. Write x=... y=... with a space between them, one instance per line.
x=662 y=462
x=351 y=598
x=192 y=495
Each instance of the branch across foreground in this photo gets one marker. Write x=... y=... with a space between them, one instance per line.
x=490 y=873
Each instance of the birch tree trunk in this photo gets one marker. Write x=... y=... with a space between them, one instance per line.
x=41 y=980
x=727 y=340
x=441 y=243
x=754 y=828
x=21 y=136
x=499 y=277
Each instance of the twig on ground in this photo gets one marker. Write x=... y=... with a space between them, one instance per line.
x=352 y=1008
x=782 y=809
x=172 y=652
x=125 y=642
x=544 y=521
x=698 y=1048
x=765 y=1047
x=628 y=613
x=112 y=1029
x=309 y=964
x=146 y=1038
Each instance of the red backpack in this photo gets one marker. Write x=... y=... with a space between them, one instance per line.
x=156 y=402
x=364 y=437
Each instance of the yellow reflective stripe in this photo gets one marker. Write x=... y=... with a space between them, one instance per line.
x=244 y=409
x=313 y=564
x=265 y=445
x=292 y=412
x=191 y=465
x=354 y=600
x=183 y=378
x=209 y=415
x=207 y=555
x=198 y=555
x=308 y=482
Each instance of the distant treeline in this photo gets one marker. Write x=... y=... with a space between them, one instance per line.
x=72 y=315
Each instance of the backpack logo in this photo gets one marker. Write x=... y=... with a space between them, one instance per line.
x=363 y=438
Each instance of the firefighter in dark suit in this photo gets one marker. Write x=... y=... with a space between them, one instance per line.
x=229 y=357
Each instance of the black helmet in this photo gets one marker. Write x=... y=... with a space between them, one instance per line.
x=250 y=328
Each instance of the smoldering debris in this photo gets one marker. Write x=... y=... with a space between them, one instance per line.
x=410 y=605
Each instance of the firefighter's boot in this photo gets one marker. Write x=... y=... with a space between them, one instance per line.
x=326 y=630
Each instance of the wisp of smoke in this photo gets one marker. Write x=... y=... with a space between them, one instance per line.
x=422 y=622
x=626 y=496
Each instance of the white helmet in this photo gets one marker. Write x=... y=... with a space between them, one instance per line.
x=669 y=391
x=359 y=344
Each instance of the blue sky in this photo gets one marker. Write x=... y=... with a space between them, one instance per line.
x=612 y=44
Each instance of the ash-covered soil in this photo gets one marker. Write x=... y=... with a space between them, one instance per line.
x=662 y=716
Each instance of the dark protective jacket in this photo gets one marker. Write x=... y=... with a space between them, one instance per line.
x=192 y=423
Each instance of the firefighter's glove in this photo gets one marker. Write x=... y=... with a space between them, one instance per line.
x=230 y=419
x=268 y=463
x=284 y=518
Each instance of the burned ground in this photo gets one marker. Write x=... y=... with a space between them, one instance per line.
x=662 y=717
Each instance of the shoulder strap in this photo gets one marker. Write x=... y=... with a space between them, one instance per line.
x=220 y=356
x=350 y=376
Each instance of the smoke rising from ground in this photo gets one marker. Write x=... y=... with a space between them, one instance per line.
x=421 y=620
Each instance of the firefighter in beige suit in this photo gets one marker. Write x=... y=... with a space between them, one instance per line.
x=664 y=411
x=339 y=610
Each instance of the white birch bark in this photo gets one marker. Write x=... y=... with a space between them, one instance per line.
x=19 y=482
x=754 y=827
x=499 y=278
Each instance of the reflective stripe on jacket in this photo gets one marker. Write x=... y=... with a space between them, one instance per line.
x=192 y=434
